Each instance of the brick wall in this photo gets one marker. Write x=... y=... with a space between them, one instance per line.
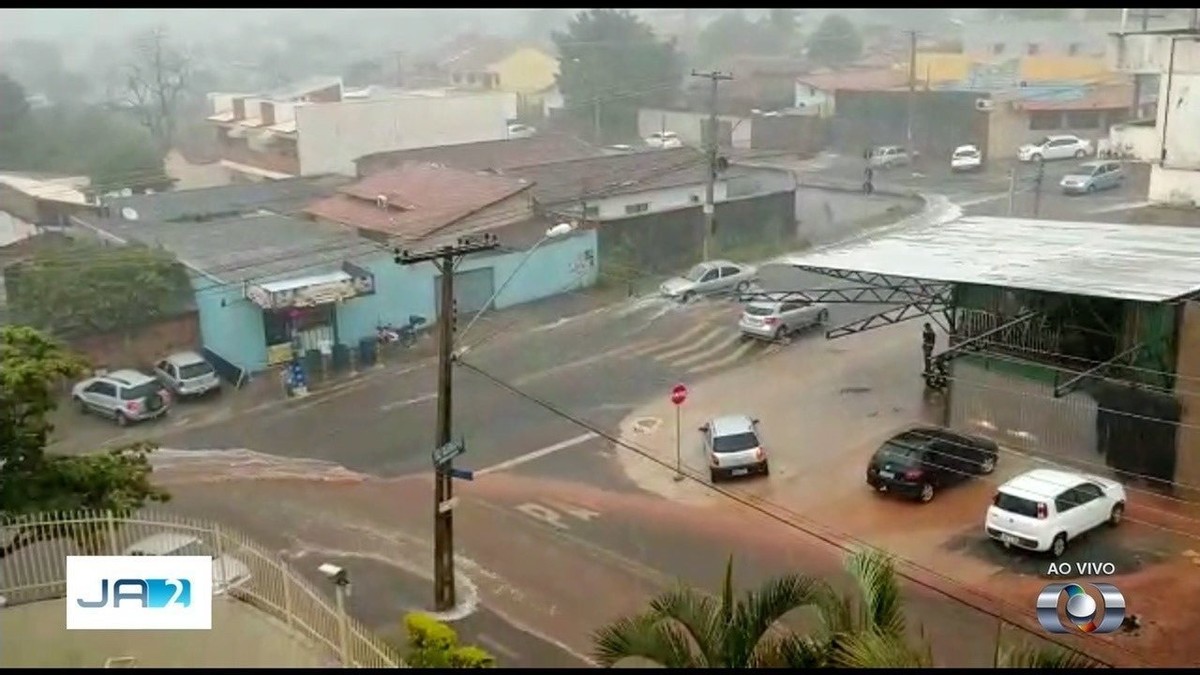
x=143 y=346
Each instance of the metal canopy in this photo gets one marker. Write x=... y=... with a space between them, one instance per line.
x=1147 y=263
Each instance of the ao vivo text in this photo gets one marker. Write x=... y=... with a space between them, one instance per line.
x=1082 y=569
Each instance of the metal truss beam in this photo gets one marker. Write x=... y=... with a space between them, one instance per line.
x=864 y=295
x=890 y=317
x=1072 y=384
x=976 y=343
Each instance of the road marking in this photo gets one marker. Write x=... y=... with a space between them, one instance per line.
x=1124 y=206
x=737 y=354
x=983 y=200
x=538 y=454
x=715 y=349
x=394 y=405
x=680 y=339
x=554 y=516
x=714 y=333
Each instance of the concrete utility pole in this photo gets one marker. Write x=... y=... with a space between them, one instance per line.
x=1012 y=190
x=1038 y=179
x=710 y=220
x=912 y=87
x=1138 y=78
x=445 y=258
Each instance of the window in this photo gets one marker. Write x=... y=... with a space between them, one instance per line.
x=696 y=273
x=591 y=212
x=1088 y=492
x=1073 y=49
x=140 y=391
x=1044 y=121
x=730 y=271
x=1083 y=119
x=998 y=48
x=735 y=442
x=631 y=209
x=1068 y=500
x=195 y=370
x=1015 y=504
x=792 y=306
x=695 y=199
x=710 y=275
x=103 y=389
x=1032 y=49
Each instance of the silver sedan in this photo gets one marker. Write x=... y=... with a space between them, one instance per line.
x=714 y=276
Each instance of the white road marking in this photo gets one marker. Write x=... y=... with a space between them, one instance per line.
x=678 y=340
x=1124 y=206
x=983 y=200
x=714 y=333
x=395 y=405
x=538 y=454
x=737 y=354
x=543 y=513
x=707 y=353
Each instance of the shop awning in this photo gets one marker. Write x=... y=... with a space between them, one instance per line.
x=311 y=291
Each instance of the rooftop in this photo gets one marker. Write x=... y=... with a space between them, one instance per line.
x=1145 y=263
x=1101 y=97
x=856 y=80
x=488 y=155
x=302 y=88
x=290 y=194
x=68 y=189
x=421 y=199
x=472 y=52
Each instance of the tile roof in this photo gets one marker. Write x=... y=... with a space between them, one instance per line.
x=570 y=181
x=422 y=199
x=1104 y=97
x=856 y=80
x=488 y=155
x=474 y=52
x=281 y=195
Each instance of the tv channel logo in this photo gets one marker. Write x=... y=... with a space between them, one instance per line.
x=139 y=592
x=1102 y=610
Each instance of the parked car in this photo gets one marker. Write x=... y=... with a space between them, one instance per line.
x=888 y=156
x=187 y=374
x=521 y=131
x=774 y=320
x=920 y=461
x=664 y=140
x=1055 y=147
x=1092 y=176
x=1044 y=509
x=966 y=158
x=714 y=276
x=733 y=447
x=124 y=395
x=228 y=573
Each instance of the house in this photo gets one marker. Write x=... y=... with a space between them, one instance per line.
x=1024 y=115
x=692 y=126
x=1174 y=56
x=307 y=131
x=818 y=90
x=30 y=203
x=494 y=64
x=485 y=156
x=1036 y=38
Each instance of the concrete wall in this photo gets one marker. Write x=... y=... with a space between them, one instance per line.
x=690 y=126
x=1141 y=142
x=1052 y=37
x=1187 y=390
x=809 y=97
x=14 y=229
x=668 y=199
x=1175 y=187
x=1009 y=128
x=824 y=214
x=142 y=346
x=331 y=136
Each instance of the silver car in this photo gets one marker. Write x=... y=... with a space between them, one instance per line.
x=228 y=573
x=733 y=447
x=771 y=320
x=714 y=276
x=124 y=395
x=187 y=374
x=1093 y=176
x=888 y=156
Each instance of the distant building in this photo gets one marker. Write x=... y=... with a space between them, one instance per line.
x=486 y=63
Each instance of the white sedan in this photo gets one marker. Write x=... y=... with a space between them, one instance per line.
x=966 y=158
x=664 y=140
x=1044 y=509
x=1065 y=146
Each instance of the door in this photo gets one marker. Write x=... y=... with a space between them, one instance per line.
x=797 y=314
x=101 y=397
x=1073 y=512
x=729 y=276
x=1064 y=148
x=710 y=281
x=1093 y=509
x=472 y=290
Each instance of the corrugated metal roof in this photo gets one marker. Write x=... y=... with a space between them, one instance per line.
x=1147 y=263
x=67 y=189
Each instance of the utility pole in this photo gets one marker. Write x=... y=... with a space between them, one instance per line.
x=1138 y=78
x=710 y=220
x=1038 y=179
x=445 y=259
x=912 y=87
x=1012 y=190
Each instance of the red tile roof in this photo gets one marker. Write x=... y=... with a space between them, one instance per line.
x=1104 y=97
x=421 y=200
x=856 y=80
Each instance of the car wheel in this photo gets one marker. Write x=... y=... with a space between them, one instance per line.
x=83 y=409
x=1059 y=545
x=988 y=465
x=1091 y=188
x=927 y=493
x=1036 y=157
x=766 y=469
x=1080 y=154
x=686 y=297
x=1118 y=512
x=121 y=419
x=742 y=287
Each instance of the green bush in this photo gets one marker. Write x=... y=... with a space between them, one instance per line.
x=433 y=644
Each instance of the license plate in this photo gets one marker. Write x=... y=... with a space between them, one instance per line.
x=1008 y=539
x=887 y=474
x=739 y=472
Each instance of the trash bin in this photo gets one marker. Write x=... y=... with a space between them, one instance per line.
x=366 y=352
x=312 y=364
x=340 y=357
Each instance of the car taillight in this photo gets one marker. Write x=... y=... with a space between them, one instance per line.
x=913 y=474
x=133 y=406
x=771 y=321
x=1042 y=513
x=760 y=454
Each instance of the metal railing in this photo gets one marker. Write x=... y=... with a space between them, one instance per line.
x=34 y=570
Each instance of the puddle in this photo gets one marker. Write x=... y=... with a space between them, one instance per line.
x=1099 y=546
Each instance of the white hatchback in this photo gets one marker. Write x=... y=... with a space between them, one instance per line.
x=734 y=447
x=1043 y=509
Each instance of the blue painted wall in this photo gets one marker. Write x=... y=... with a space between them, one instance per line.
x=235 y=330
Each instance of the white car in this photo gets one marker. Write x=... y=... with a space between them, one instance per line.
x=520 y=131
x=966 y=158
x=775 y=320
x=734 y=448
x=714 y=276
x=664 y=140
x=1044 y=509
x=1055 y=147
x=228 y=573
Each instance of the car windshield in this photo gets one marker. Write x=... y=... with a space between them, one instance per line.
x=194 y=370
x=965 y=153
x=1014 y=504
x=899 y=454
x=695 y=273
x=746 y=440
x=140 y=391
x=759 y=310
x=1042 y=141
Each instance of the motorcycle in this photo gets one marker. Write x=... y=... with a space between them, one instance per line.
x=405 y=335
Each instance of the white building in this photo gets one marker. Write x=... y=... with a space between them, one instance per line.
x=690 y=126
x=1172 y=144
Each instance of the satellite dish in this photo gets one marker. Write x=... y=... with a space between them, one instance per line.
x=128 y=213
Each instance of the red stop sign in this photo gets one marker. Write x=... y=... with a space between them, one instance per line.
x=678 y=394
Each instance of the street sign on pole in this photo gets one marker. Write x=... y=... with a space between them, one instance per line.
x=448 y=505
x=678 y=394
x=462 y=474
x=443 y=455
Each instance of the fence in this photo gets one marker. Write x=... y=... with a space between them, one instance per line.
x=35 y=570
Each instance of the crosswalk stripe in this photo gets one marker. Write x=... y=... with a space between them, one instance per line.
x=682 y=338
x=713 y=334
x=707 y=353
x=713 y=365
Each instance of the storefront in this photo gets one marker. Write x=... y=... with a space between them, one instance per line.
x=300 y=314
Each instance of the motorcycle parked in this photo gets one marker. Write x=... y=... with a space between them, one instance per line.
x=405 y=335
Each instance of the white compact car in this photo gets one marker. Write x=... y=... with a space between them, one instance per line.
x=1055 y=147
x=966 y=158
x=1043 y=509
x=664 y=140
x=734 y=447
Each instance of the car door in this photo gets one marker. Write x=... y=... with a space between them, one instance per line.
x=793 y=315
x=710 y=281
x=1072 y=515
x=730 y=276
x=103 y=398
x=1093 y=509
x=1114 y=175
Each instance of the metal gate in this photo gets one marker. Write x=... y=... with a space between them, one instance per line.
x=1023 y=414
x=472 y=290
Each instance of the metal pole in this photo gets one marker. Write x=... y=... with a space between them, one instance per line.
x=1164 y=105
x=339 y=592
x=1012 y=190
x=678 y=439
x=710 y=222
x=1037 y=187
x=443 y=533
x=912 y=87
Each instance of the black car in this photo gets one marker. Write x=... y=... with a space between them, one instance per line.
x=919 y=462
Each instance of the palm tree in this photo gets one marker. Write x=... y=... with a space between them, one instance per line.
x=685 y=628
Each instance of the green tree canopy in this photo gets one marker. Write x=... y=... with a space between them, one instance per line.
x=611 y=63
x=433 y=644
x=87 y=288
x=732 y=34
x=835 y=42
x=14 y=122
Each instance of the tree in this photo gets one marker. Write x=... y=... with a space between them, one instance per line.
x=835 y=42
x=684 y=628
x=155 y=82
x=732 y=34
x=14 y=122
x=433 y=644
x=32 y=481
x=610 y=64
x=87 y=288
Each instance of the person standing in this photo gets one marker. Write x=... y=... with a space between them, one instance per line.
x=868 y=180
x=928 y=342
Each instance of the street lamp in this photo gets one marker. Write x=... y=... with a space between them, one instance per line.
x=341 y=589
x=559 y=230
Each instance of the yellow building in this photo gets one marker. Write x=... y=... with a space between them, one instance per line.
x=528 y=72
x=946 y=68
